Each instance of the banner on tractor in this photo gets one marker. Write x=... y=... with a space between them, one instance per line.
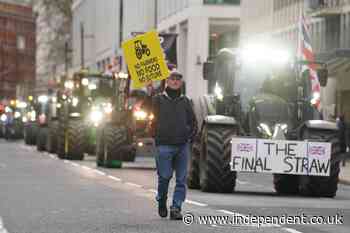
x=281 y=156
x=145 y=59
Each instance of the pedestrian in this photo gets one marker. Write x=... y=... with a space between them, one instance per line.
x=174 y=127
x=342 y=131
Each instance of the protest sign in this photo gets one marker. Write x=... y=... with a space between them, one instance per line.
x=145 y=59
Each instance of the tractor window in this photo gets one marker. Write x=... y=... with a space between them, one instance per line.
x=98 y=87
x=225 y=73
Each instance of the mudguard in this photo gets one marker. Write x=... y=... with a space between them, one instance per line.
x=321 y=124
x=220 y=120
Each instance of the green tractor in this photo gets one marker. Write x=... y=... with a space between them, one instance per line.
x=30 y=124
x=264 y=120
x=46 y=121
x=115 y=136
x=92 y=118
x=13 y=120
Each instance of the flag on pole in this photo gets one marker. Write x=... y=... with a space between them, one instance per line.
x=306 y=53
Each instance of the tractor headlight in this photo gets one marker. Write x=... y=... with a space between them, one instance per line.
x=140 y=115
x=151 y=117
x=3 y=117
x=74 y=114
x=17 y=115
x=265 y=129
x=218 y=92
x=75 y=101
x=96 y=116
x=43 y=99
x=85 y=82
x=69 y=84
x=108 y=108
x=32 y=115
x=8 y=109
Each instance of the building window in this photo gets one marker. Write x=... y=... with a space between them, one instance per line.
x=231 y=2
x=21 y=42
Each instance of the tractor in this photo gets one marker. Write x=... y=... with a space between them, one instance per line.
x=77 y=105
x=12 y=120
x=271 y=103
x=30 y=124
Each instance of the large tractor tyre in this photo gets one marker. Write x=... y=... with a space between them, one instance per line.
x=193 y=169
x=51 y=145
x=286 y=184
x=27 y=134
x=34 y=131
x=41 y=138
x=76 y=140
x=322 y=186
x=99 y=148
x=1 y=133
x=61 y=141
x=129 y=153
x=115 y=139
x=215 y=170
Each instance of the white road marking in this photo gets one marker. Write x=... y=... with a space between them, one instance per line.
x=115 y=178
x=86 y=167
x=2 y=228
x=99 y=172
x=66 y=161
x=244 y=216
x=152 y=190
x=291 y=230
x=133 y=184
x=52 y=156
x=241 y=182
x=195 y=203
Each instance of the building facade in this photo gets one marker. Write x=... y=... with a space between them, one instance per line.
x=51 y=36
x=17 y=51
x=329 y=26
x=203 y=27
x=99 y=29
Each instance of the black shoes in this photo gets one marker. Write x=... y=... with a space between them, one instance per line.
x=175 y=213
x=162 y=209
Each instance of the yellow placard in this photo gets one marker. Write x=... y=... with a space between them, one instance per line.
x=145 y=59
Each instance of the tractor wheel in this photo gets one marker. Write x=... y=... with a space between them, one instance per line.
x=76 y=140
x=30 y=131
x=27 y=134
x=51 y=145
x=33 y=133
x=115 y=138
x=61 y=141
x=129 y=153
x=215 y=169
x=41 y=138
x=322 y=186
x=193 y=171
x=286 y=184
x=99 y=148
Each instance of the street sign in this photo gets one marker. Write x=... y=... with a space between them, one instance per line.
x=145 y=59
x=281 y=156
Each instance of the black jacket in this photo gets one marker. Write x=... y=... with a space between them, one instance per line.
x=174 y=120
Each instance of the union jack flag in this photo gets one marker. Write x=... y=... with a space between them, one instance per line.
x=306 y=53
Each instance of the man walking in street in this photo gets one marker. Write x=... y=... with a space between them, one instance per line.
x=174 y=127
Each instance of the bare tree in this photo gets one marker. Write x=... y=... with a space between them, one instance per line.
x=58 y=17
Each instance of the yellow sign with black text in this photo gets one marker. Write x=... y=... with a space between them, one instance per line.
x=145 y=59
